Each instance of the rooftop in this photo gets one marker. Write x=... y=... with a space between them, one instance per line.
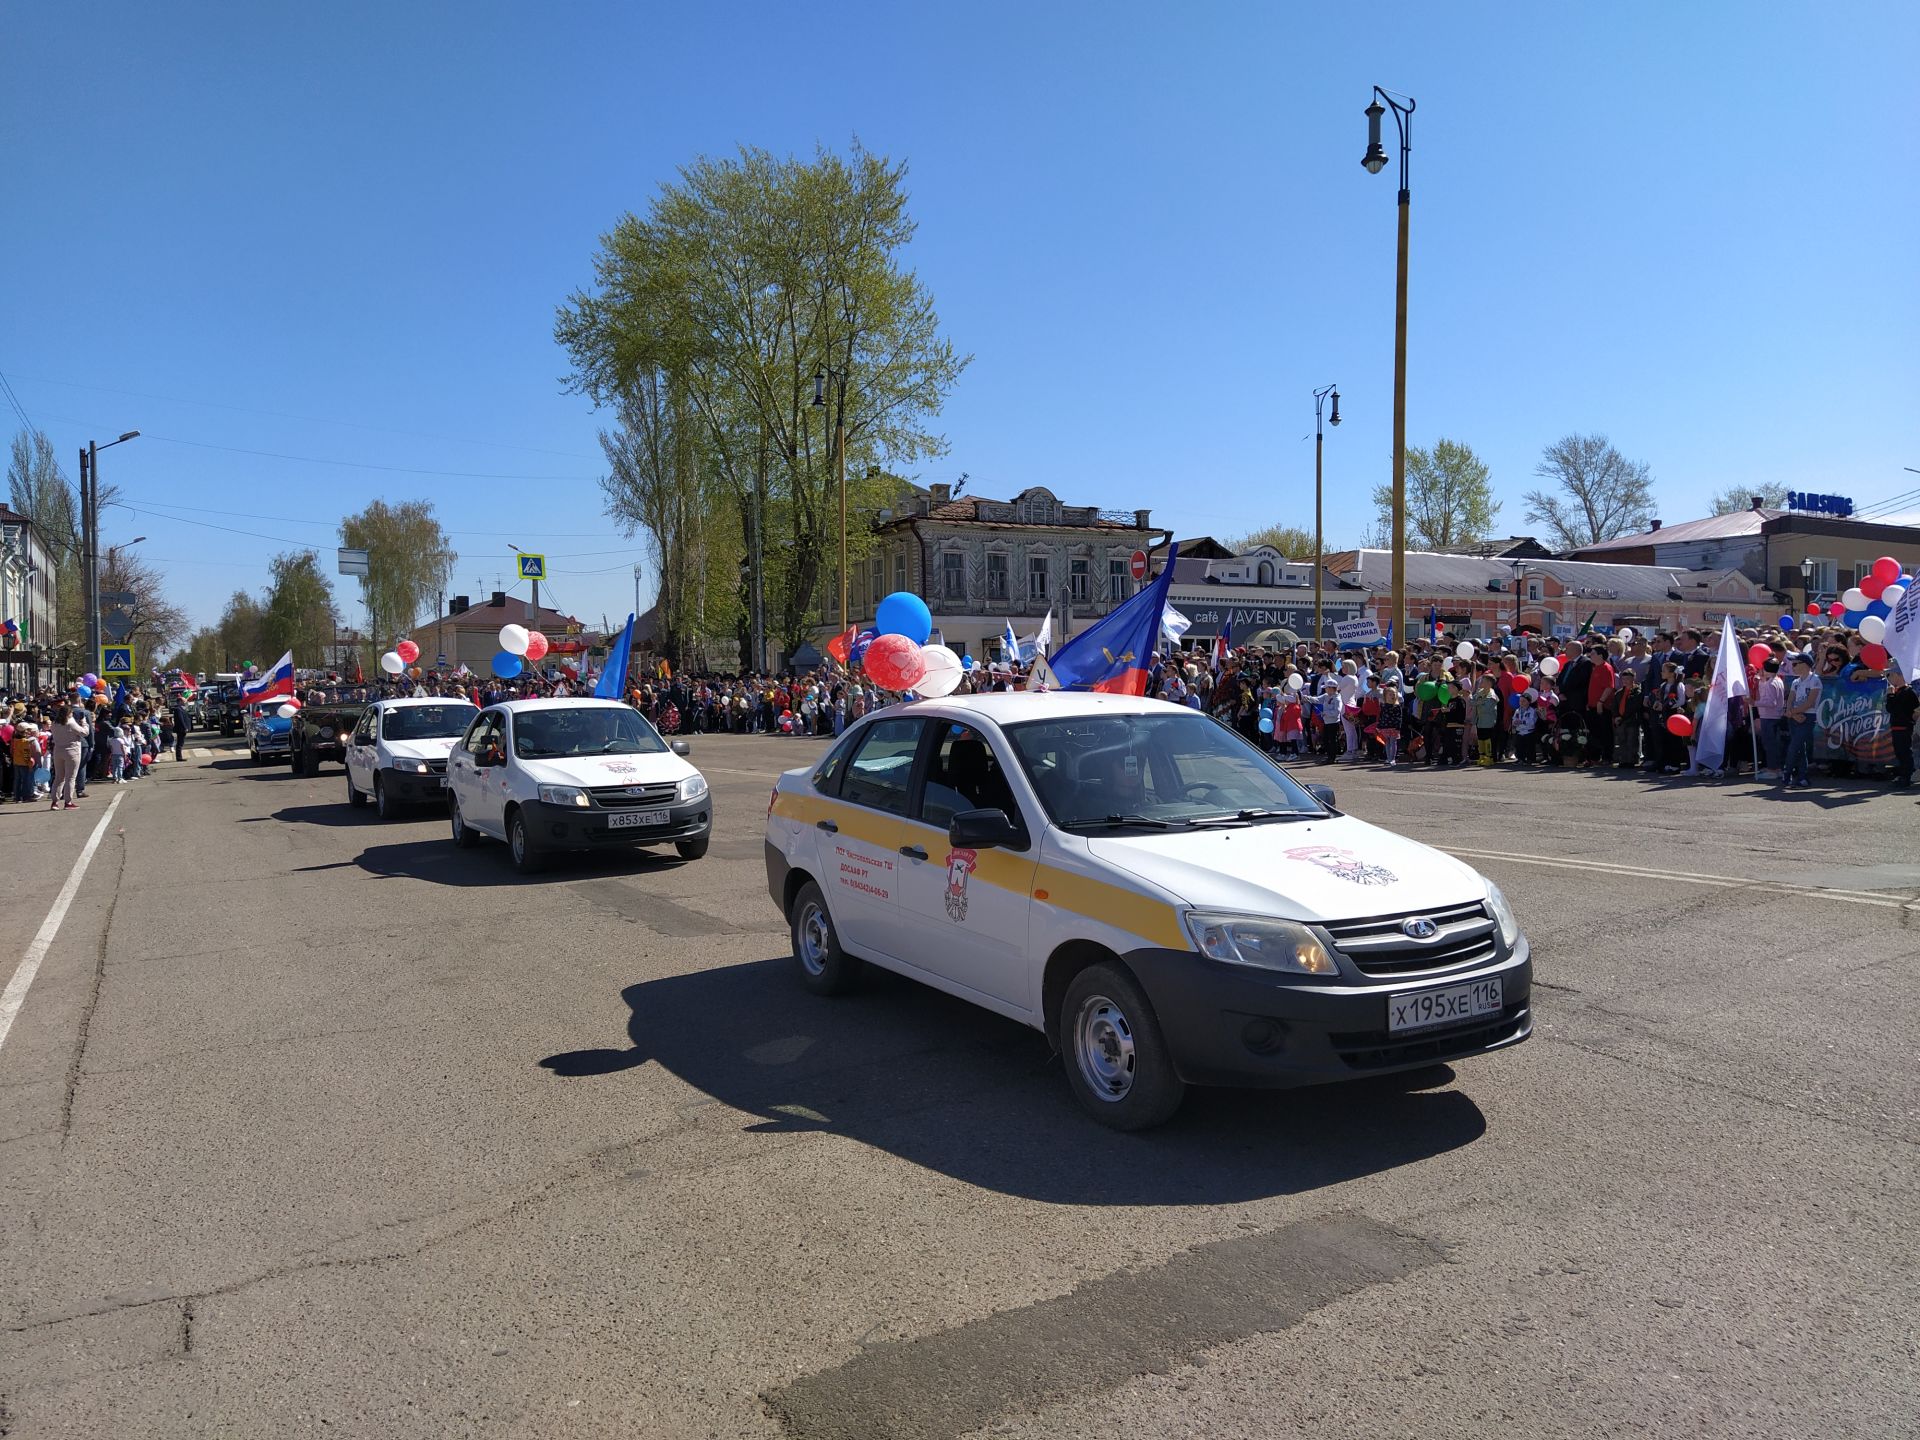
x=1471 y=575
x=1714 y=527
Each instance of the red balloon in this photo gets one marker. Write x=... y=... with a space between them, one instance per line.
x=1872 y=586
x=146 y=759
x=1679 y=725
x=894 y=662
x=1759 y=655
x=1886 y=570
x=1813 y=607
x=1836 y=609
x=537 y=646
x=1874 y=657
x=406 y=650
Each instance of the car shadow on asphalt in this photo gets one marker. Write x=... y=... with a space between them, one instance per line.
x=487 y=866
x=971 y=1095
x=341 y=815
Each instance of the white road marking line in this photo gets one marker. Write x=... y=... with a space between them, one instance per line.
x=1686 y=877
x=16 y=992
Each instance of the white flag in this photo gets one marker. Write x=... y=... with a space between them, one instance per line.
x=1903 y=633
x=1043 y=642
x=1174 y=623
x=1729 y=679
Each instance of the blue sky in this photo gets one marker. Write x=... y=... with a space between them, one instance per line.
x=339 y=232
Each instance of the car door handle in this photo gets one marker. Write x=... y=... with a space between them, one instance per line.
x=826 y=825
x=913 y=852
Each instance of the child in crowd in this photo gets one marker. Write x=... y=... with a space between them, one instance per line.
x=1387 y=724
x=1486 y=717
x=1526 y=720
x=1291 y=732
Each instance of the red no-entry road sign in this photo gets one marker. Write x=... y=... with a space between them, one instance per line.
x=1139 y=564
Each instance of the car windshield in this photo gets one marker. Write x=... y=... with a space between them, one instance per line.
x=1154 y=771
x=427 y=722
x=595 y=730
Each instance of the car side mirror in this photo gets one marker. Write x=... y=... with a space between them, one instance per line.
x=981 y=830
x=1322 y=793
x=680 y=747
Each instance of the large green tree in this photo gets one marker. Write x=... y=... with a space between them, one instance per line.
x=242 y=632
x=1740 y=497
x=38 y=488
x=297 y=612
x=1449 y=494
x=409 y=562
x=1601 y=493
x=757 y=330
x=1290 y=540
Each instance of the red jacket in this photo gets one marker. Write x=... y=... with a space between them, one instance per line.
x=1599 y=682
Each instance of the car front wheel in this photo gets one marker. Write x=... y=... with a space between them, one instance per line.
x=299 y=761
x=354 y=797
x=692 y=849
x=526 y=858
x=382 y=805
x=464 y=836
x=1116 y=1060
x=825 y=968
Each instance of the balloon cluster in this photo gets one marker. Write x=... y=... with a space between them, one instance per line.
x=519 y=646
x=1866 y=606
x=896 y=655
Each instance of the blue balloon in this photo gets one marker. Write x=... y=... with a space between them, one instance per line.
x=85 y=691
x=1266 y=725
x=904 y=613
x=506 y=664
x=966 y=662
x=1880 y=608
x=1852 y=618
x=1786 y=622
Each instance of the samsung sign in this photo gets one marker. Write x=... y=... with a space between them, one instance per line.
x=1819 y=504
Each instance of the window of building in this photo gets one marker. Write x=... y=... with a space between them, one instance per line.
x=878 y=573
x=1080 y=580
x=1036 y=577
x=996 y=576
x=1119 y=572
x=953 y=575
x=1823 y=577
x=1533 y=590
x=900 y=571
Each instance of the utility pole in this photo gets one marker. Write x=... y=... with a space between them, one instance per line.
x=1374 y=162
x=86 y=549
x=1319 y=533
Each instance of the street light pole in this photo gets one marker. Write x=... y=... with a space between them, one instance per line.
x=1319 y=535
x=1375 y=160
x=820 y=378
x=90 y=522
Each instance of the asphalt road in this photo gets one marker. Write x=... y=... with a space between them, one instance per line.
x=312 y=1125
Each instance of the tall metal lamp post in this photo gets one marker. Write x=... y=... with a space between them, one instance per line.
x=1375 y=160
x=839 y=380
x=90 y=532
x=1320 y=398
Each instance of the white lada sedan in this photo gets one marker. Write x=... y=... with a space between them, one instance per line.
x=1154 y=893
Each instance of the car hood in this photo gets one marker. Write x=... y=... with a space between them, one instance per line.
x=1315 y=870
x=272 y=725
x=596 y=770
x=421 y=749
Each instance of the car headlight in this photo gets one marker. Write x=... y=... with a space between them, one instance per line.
x=1503 y=916
x=693 y=787
x=1264 y=944
x=563 y=795
x=416 y=767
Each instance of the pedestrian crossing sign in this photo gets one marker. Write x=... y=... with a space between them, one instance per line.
x=116 y=662
x=532 y=567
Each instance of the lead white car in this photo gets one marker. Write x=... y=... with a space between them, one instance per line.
x=1147 y=888
x=397 y=753
x=574 y=774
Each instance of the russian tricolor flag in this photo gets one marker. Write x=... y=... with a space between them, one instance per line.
x=277 y=681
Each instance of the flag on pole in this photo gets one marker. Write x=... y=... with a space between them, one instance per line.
x=1433 y=625
x=1221 y=644
x=1902 y=641
x=1113 y=654
x=277 y=681
x=1589 y=625
x=1174 y=624
x=1010 y=643
x=613 y=679
x=1729 y=680
x=1043 y=642
x=841 y=645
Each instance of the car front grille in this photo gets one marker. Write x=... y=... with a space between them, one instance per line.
x=635 y=797
x=436 y=767
x=1379 y=945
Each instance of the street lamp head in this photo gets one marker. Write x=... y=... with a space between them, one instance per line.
x=820 y=388
x=1376 y=157
x=1334 y=419
x=130 y=435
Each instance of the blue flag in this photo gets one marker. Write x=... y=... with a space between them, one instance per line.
x=612 y=684
x=1113 y=655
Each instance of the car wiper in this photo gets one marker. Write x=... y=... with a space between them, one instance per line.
x=1118 y=821
x=1254 y=817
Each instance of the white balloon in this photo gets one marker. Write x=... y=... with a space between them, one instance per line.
x=1296 y=682
x=1854 y=599
x=1626 y=632
x=943 y=672
x=1873 y=629
x=1550 y=667
x=513 y=639
x=1893 y=595
x=392 y=663
x=1464 y=649
x=287 y=712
